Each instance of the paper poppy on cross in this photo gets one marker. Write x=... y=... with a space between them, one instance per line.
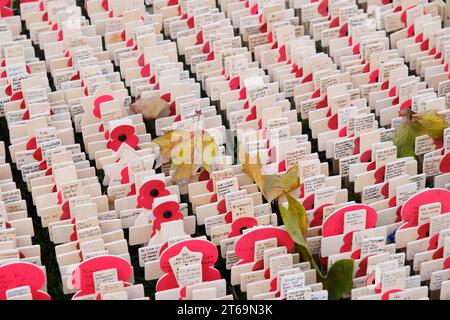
x=241 y=224
x=122 y=134
x=166 y=212
x=149 y=191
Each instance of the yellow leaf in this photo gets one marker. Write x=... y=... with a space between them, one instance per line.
x=271 y=185
x=253 y=169
x=415 y=125
x=183 y=173
x=169 y=141
x=286 y=183
x=432 y=124
x=187 y=152
x=183 y=160
x=209 y=151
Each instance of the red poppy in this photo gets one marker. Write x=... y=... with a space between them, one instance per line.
x=5 y=8
x=221 y=206
x=105 y=5
x=241 y=224
x=399 y=214
x=362 y=271
x=348 y=241
x=125 y=176
x=228 y=217
x=433 y=243
x=444 y=165
x=423 y=231
x=150 y=190
x=65 y=207
x=132 y=190
x=318 y=216
x=438 y=254
x=19 y=274
x=98 y=101
x=166 y=212
x=31 y=144
x=66 y=211
x=204 y=176
x=123 y=134
x=74 y=235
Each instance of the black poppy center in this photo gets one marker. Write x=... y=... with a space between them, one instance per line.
x=167 y=214
x=241 y=230
x=154 y=193
x=122 y=137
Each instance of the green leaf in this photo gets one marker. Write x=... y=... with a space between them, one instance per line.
x=405 y=140
x=294 y=217
x=339 y=279
x=415 y=125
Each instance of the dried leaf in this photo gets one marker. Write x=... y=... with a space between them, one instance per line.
x=151 y=108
